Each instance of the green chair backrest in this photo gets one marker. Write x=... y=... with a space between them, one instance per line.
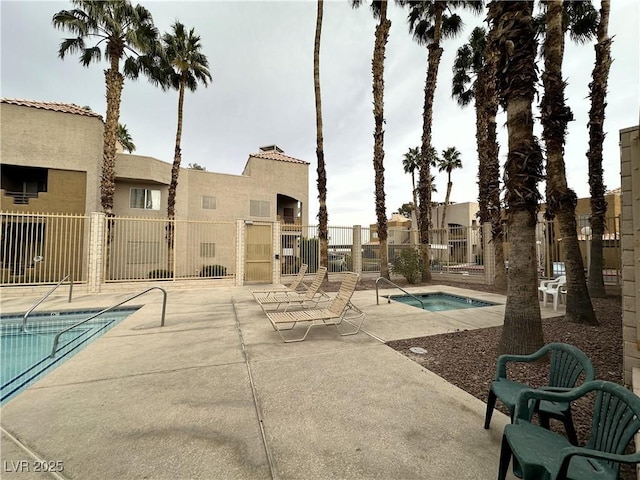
x=567 y=364
x=616 y=418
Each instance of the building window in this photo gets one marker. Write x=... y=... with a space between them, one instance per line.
x=258 y=208
x=584 y=220
x=145 y=199
x=208 y=203
x=207 y=250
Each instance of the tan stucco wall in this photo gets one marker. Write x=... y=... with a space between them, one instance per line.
x=457 y=213
x=630 y=225
x=66 y=193
x=56 y=140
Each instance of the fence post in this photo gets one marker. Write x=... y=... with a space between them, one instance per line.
x=240 y=240
x=356 y=249
x=489 y=255
x=96 y=251
x=277 y=253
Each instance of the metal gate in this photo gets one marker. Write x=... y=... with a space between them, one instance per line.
x=259 y=253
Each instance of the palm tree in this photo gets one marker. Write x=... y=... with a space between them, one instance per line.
x=561 y=200
x=450 y=161
x=125 y=32
x=323 y=217
x=429 y=22
x=184 y=66
x=411 y=163
x=379 y=9
x=598 y=93
x=124 y=137
x=513 y=39
x=474 y=80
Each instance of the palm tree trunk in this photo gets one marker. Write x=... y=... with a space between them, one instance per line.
x=561 y=200
x=446 y=203
x=173 y=185
x=414 y=192
x=492 y=164
x=514 y=39
x=382 y=35
x=596 y=139
x=323 y=217
x=424 y=182
x=114 y=83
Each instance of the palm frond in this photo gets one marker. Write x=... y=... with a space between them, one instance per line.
x=90 y=54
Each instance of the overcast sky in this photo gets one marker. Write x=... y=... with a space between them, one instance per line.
x=261 y=59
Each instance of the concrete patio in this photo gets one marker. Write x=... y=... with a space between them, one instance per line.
x=216 y=394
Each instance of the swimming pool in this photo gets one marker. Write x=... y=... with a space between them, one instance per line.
x=440 y=302
x=25 y=356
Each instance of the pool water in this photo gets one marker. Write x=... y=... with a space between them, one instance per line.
x=440 y=302
x=25 y=356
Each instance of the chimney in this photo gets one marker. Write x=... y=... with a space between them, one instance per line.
x=271 y=148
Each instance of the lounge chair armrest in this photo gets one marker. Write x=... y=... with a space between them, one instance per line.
x=567 y=453
x=555 y=389
x=501 y=368
x=523 y=402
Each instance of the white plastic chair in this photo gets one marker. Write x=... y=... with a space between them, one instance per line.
x=544 y=283
x=554 y=289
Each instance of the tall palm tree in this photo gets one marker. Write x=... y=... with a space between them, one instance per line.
x=561 y=200
x=323 y=217
x=429 y=23
x=125 y=139
x=598 y=93
x=379 y=9
x=184 y=66
x=411 y=163
x=513 y=39
x=474 y=80
x=450 y=161
x=125 y=32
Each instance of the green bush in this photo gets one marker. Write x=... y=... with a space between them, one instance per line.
x=408 y=264
x=160 y=274
x=213 y=271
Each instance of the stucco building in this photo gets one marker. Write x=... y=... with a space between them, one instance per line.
x=52 y=164
x=52 y=157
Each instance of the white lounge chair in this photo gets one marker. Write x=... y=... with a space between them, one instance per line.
x=554 y=290
x=335 y=314
x=311 y=298
x=294 y=286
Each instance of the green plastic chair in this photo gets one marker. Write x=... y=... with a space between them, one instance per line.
x=567 y=365
x=540 y=454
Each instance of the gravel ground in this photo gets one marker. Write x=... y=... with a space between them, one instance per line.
x=468 y=358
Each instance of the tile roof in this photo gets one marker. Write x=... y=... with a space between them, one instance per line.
x=273 y=155
x=54 y=106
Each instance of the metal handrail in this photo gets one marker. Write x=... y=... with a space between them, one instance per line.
x=164 y=308
x=24 y=319
x=399 y=288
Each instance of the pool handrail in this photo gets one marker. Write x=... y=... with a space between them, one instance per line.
x=24 y=319
x=399 y=288
x=164 y=308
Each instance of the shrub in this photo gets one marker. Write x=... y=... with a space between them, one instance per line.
x=160 y=274
x=213 y=271
x=408 y=264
